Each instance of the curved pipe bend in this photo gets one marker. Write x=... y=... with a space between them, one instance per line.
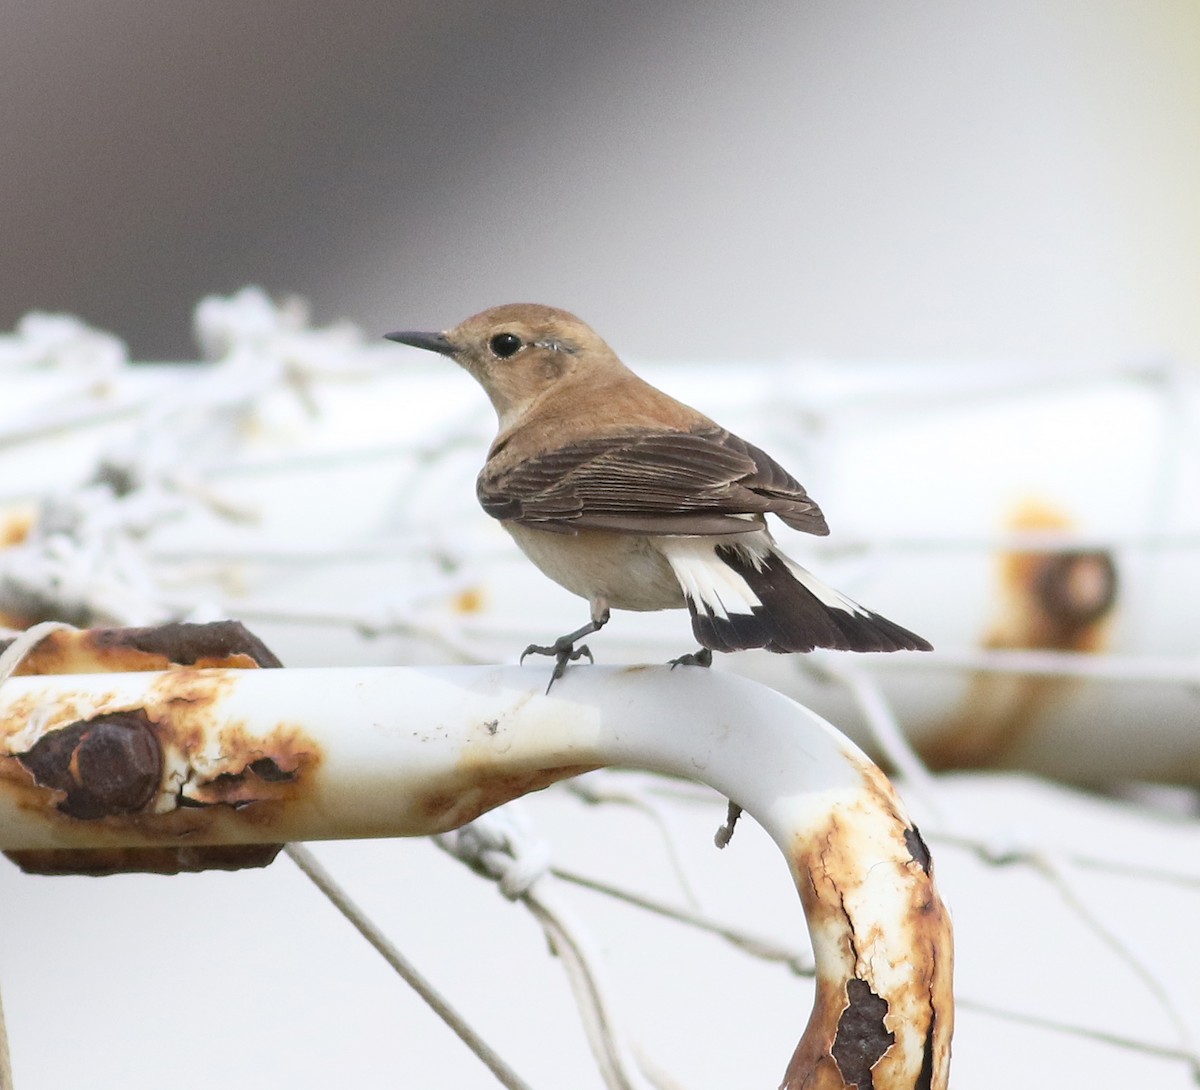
x=226 y=756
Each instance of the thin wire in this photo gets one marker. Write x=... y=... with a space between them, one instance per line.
x=1053 y=873
x=1187 y=879
x=888 y=734
x=1167 y=1052
x=344 y=903
x=598 y=787
x=618 y=1063
x=1050 y=870
x=502 y=846
x=759 y=946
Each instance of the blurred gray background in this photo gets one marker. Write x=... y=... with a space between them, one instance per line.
x=697 y=180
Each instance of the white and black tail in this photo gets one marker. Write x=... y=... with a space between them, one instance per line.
x=745 y=593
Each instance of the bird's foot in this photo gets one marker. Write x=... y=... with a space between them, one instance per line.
x=703 y=657
x=562 y=650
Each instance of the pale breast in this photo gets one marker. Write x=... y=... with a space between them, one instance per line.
x=627 y=571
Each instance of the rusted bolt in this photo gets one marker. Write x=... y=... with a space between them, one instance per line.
x=1077 y=588
x=108 y=765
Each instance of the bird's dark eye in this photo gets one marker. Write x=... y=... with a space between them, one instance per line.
x=504 y=344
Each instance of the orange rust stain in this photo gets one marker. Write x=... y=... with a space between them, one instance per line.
x=469 y=600
x=230 y=765
x=476 y=790
x=485 y=778
x=258 y=769
x=830 y=868
x=1061 y=600
x=879 y=789
x=96 y=651
x=70 y=708
x=15 y=524
x=194 y=688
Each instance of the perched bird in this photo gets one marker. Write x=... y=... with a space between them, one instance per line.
x=632 y=500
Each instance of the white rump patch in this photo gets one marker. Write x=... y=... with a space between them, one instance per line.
x=709 y=582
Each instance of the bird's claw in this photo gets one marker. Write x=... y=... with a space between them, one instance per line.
x=563 y=651
x=703 y=657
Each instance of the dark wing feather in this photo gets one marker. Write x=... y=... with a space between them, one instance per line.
x=648 y=482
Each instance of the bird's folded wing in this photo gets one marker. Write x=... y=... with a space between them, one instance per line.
x=648 y=482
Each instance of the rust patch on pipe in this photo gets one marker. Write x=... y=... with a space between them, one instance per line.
x=227 y=644
x=208 y=765
x=164 y=768
x=1049 y=601
x=478 y=788
x=883 y=1013
x=98 y=768
x=185 y=859
x=862 y=1038
x=246 y=769
x=479 y=782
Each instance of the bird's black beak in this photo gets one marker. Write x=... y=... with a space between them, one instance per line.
x=434 y=342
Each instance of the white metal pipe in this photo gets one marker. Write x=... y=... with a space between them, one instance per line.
x=384 y=740
x=273 y=755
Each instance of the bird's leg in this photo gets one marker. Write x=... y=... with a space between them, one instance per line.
x=703 y=657
x=564 y=650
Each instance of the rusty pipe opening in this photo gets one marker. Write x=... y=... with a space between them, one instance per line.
x=1077 y=588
